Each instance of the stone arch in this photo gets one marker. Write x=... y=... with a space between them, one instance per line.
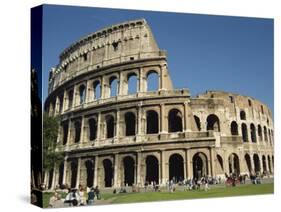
x=260 y=132
x=73 y=169
x=92 y=129
x=269 y=164
x=213 y=123
x=200 y=165
x=108 y=172
x=70 y=99
x=60 y=103
x=82 y=94
x=234 y=128
x=96 y=90
x=220 y=166
x=176 y=167
x=110 y=126
x=129 y=170
x=248 y=162
x=253 y=133
x=234 y=166
x=175 y=120
x=265 y=133
x=264 y=167
x=152 y=80
x=152 y=169
x=152 y=122
x=113 y=86
x=269 y=136
x=198 y=123
x=256 y=159
x=65 y=132
x=242 y=115
x=244 y=132
x=90 y=173
x=61 y=173
x=77 y=130
x=130 y=124
x=132 y=80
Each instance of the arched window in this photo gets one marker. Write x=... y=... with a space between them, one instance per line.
x=213 y=123
x=130 y=122
x=257 y=163
x=108 y=172
x=234 y=128
x=265 y=133
x=197 y=122
x=129 y=170
x=109 y=126
x=269 y=136
x=152 y=121
x=132 y=83
x=65 y=133
x=176 y=168
x=234 y=166
x=200 y=165
x=248 y=162
x=77 y=126
x=175 y=121
x=249 y=103
x=152 y=169
x=260 y=132
x=92 y=129
x=97 y=90
x=242 y=115
x=253 y=133
x=113 y=86
x=60 y=103
x=82 y=94
x=244 y=132
x=152 y=79
x=70 y=99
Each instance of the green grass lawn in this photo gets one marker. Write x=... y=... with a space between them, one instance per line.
x=180 y=195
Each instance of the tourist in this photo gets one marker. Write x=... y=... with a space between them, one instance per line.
x=81 y=193
x=97 y=192
x=91 y=196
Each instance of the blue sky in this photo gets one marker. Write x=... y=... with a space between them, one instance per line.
x=233 y=54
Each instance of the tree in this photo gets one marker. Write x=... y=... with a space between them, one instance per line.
x=50 y=133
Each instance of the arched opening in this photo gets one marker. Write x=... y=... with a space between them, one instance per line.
x=269 y=164
x=260 y=132
x=213 y=123
x=152 y=121
x=257 y=163
x=175 y=121
x=113 y=82
x=253 y=133
x=70 y=99
x=73 y=180
x=176 y=170
x=269 y=136
x=132 y=83
x=82 y=94
x=65 y=133
x=242 y=115
x=234 y=128
x=97 y=90
x=108 y=172
x=130 y=122
x=90 y=173
x=200 y=165
x=265 y=133
x=152 y=81
x=92 y=129
x=234 y=167
x=60 y=103
x=129 y=170
x=264 y=163
x=61 y=171
x=198 y=123
x=51 y=175
x=77 y=126
x=248 y=162
x=220 y=164
x=109 y=126
x=244 y=132
x=152 y=169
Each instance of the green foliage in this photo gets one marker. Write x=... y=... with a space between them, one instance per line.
x=50 y=133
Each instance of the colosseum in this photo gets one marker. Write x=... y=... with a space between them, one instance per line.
x=113 y=137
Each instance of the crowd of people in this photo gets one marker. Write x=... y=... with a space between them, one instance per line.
x=75 y=197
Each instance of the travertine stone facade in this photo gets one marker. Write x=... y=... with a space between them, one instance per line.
x=112 y=137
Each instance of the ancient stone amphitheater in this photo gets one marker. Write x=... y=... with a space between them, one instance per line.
x=112 y=137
